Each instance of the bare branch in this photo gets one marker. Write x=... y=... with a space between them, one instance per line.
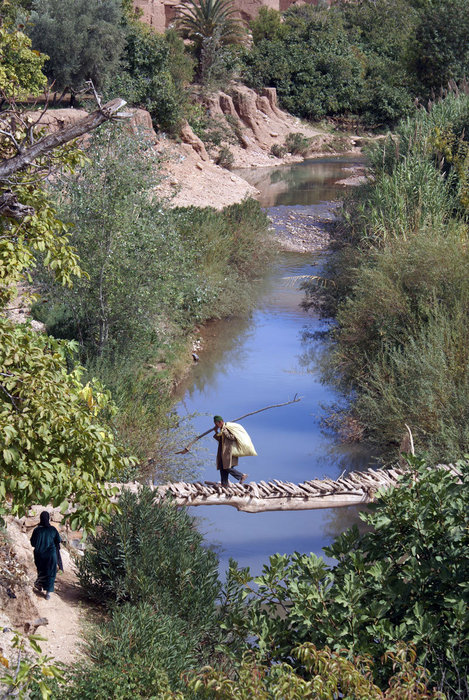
x=109 y=111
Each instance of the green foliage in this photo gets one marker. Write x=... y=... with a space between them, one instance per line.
x=404 y=580
x=31 y=672
x=353 y=58
x=140 y=652
x=150 y=566
x=154 y=72
x=311 y=63
x=82 y=38
x=147 y=279
x=267 y=25
x=297 y=144
x=277 y=150
x=211 y=25
x=152 y=553
x=400 y=292
x=39 y=233
x=203 y=19
x=56 y=444
x=20 y=67
x=426 y=387
x=162 y=264
x=225 y=158
x=441 y=53
x=325 y=674
x=55 y=448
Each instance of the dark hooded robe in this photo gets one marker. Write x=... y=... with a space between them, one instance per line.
x=46 y=542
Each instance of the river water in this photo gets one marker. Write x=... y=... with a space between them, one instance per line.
x=266 y=358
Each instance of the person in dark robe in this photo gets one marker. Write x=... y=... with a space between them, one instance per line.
x=46 y=542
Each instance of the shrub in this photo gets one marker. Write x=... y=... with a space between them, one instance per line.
x=82 y=38
x=401 y=287
x=277 y=150
x=403 y=580
x=152 y=552
x=297 y=144
x=154 y=73
x=225 y=158
x=140 y=652
x=310 y=62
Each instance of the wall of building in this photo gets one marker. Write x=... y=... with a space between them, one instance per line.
x=160 y=13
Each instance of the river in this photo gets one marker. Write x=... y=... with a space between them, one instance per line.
x=266 y=358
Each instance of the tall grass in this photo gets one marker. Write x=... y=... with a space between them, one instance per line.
x=402 y=288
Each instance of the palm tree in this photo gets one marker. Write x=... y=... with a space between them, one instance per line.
x=210 y=25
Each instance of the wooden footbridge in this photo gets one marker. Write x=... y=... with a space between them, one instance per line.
x=355 y=488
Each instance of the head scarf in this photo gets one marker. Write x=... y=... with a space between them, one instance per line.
x=218 y=419
x=44 y=518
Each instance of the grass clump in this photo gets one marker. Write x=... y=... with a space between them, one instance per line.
x=278 y=150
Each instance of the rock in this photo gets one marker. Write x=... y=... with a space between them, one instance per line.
x=263 y=105
x=244 y=101
x=274 y=134
x=226 y=105
x=188 y=136
x=140 y=123
x=30 y=627
x=271 y=94
x=199 y=166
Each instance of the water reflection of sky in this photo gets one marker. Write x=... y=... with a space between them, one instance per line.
x=253 y=362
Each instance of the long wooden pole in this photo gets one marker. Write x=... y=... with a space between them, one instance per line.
x=186 y=449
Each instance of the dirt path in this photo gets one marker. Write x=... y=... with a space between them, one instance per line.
x=62 y=612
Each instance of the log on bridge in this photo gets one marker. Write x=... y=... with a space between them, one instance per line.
x=355 y=488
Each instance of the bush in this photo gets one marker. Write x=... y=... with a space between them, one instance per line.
x=155 y=72
x=140 y=653
x=82 y=38
x=404 y=580
x=152 y=553
x=225 y=158
x=297 y=144
x=310 y=62
x=277 y=150
x=401 y=288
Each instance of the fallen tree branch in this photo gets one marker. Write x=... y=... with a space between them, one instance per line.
x=186 y=449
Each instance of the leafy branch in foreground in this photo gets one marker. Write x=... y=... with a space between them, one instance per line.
x=55 y=447
x=326 y=675
x=31 y=670
x=404 y=580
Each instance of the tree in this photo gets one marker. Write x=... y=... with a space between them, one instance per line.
x=407 y=579
x=155 y=71
x=442 y=47
x=54 y=447
x=83 y=40
x=210 y=25
x=311 y=63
